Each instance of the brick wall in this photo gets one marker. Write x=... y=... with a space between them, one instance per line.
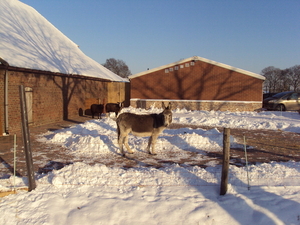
x=202 y=81
x=54 y=97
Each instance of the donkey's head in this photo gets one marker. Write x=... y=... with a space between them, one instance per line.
x=167 y=113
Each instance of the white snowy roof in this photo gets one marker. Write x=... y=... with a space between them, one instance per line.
x=197 y=58
x=28 y=40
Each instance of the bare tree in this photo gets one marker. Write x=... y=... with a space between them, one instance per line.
x=273 y=79
x=292 y=75
x=117 y=66
x=281 y=80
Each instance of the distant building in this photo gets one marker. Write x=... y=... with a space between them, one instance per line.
x=198 y=84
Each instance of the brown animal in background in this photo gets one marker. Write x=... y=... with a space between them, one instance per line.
x=143 y=125
x=114 y=107
x=97 y=109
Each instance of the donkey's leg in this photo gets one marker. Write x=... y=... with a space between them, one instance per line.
x=149 y=145
x=121 y=141
x=153 y=139
x=126 y=144
x=121 y=137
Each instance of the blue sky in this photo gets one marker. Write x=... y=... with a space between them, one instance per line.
x=250 y=35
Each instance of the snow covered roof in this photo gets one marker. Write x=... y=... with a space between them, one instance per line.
x=28 y=40
x=197 y=58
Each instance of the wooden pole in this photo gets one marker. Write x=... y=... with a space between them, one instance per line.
x=15 y=159
x=26 y=140
x=225 y=166
x=245 y=148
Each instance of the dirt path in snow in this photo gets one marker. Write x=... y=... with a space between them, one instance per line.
x=267 y=145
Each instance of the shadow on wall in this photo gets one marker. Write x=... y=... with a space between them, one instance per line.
x=87 y=112
x=200 y=82
x=80 y=112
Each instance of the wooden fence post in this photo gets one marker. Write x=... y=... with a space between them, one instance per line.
x=26 y=140
x=225 y=166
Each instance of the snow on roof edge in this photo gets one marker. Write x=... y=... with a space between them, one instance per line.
x=198 y=58
x=3 y=65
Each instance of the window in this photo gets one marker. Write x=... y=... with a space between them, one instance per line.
x=192 y=63
x=187 y=65
x=294 y=96
x=181 y=66
x=171 y=69
x=176 y=68
x=166 y=70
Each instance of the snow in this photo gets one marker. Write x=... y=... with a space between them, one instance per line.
x=28 y=40
x=81 y=193
x=271 y=120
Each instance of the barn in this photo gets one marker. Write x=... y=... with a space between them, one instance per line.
x=197 y=83
x=60 y=81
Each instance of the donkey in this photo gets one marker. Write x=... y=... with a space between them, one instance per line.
x=97 y=109
x=143 y=125
x=114 y=107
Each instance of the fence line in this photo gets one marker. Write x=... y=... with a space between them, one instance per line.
x=237 y=181
x=132 y=179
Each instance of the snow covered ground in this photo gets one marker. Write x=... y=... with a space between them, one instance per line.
x=97 y=194
x=85 y=194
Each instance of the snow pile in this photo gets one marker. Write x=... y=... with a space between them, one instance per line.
x=97 y=138
x=28 y=40
x=83 y=194
x=97 y=194
x=270 y=120
x=100 y=137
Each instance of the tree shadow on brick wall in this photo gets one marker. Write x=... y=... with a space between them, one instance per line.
x=67 y=86
x=210 y=83
x=80 y=88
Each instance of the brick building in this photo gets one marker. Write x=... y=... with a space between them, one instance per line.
x=59 y=79
x=198 y=84
x=51 y=97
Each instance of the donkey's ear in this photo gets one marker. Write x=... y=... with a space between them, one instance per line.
x=169 y=106
x=163 y=105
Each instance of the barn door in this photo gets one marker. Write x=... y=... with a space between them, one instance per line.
x=116 y=92
x=28 y=99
